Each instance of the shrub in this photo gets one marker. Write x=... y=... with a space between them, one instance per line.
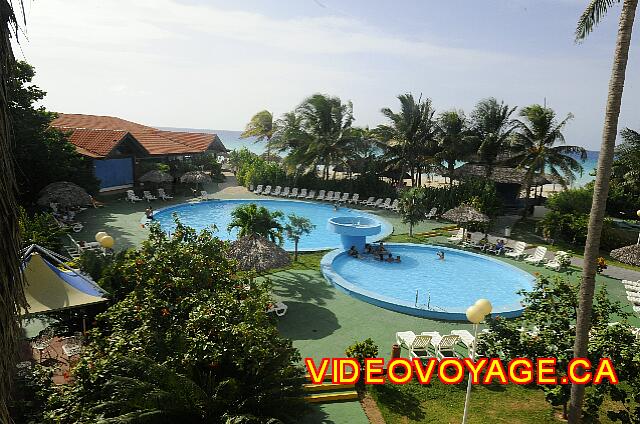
x=41 y=229
x=362 y=350
x=576 y=200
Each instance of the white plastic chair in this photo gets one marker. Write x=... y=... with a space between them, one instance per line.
x=162 y=195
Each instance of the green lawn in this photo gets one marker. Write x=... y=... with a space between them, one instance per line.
x=438 y=403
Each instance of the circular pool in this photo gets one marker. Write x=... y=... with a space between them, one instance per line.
x=423 y=285
x=202 y=215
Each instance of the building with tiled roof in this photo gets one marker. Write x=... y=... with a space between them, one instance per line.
x=116 y=145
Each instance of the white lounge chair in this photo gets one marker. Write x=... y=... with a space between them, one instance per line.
x=320 y=195
x=162 y=195
x=518 y=250
x=251 y=188
x=285 y=192
x=146 y=195
x=344 y=198
x=277 y=191
x=375 y=204
x=266 y=191
x=278 y=308
x=432 y=213
x=336 y=197
x=258 y=189
x=465 y=337
x=311 y=195
x=204 y=194
x=394 y=205
x=369 y=200
x=354 y=199
x=329 y=196
x=294 y=192
x=303 y=194
x=71 y=346
x=538 y=256
x=417 y=345
x=131 y=197
x=387 y=203
x=458 y=237
x=444 y=346
x=556 y=263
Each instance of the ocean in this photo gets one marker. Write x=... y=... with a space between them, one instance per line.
x=232 y=141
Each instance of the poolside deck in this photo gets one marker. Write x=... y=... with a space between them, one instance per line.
x=321 y=320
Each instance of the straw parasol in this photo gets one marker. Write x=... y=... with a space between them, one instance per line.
x=465 y=214
x=65 y=194
x=156 y=176
x=627 y=254
x=259 y=254
x=197 y=177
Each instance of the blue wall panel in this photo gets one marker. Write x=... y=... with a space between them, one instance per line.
x=114 y=172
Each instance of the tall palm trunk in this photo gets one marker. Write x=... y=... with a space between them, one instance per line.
x=11 y=290
x=600 y=192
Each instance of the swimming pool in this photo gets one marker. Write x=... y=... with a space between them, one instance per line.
x=202 y=215
x=444 y=288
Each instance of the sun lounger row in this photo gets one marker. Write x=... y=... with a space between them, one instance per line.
x=632 y=289
x=430 y=344
x=329 y=196
x=146 y=195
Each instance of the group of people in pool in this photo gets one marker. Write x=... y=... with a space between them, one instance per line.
x=378 y=252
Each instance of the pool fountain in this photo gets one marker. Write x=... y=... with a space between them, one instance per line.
x=353 y=230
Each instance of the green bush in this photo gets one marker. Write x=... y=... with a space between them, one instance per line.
x=41 y=229
x=576 y=200
x=362 y=350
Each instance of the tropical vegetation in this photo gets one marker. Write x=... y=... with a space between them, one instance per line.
x=188 y=339
x=296 y=227
x=591 y=17
x=253 y=220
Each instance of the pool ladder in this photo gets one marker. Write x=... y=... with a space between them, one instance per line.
x=427 y=305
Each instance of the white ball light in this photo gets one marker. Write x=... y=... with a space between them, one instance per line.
x=474 y=314
x=485 y=306
x=100 y=235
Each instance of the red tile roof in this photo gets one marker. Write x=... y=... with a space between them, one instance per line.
x=94 y=143
x=156 y=142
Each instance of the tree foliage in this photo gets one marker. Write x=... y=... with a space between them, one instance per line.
x=547 y=329
x=41 y=229
x=191 y=336
x=295 y=228
x=251 y=219
x=43 y=154
x=413 y=207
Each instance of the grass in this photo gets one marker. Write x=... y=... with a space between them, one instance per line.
x=439 y=403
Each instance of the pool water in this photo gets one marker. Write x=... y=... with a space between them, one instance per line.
x=449 y=285
x=202 y=215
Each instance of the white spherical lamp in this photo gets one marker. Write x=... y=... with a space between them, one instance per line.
x=474 y=314
x=107 y=242
x=638 y=213
x=484 y=305
x=100 y=234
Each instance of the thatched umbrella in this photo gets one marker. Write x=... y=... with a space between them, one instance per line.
x=197 y=177
x=465 y=214
x=156 y=176
x=65 y=194
x=259 y=254
x=627 y=254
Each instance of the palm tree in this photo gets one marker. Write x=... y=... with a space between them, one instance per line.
x=534 y=150
x=412 y=207
x=11 y=290
x=319 y=132
x=252 y=219
x=589 y=19
x=297 y=227
x=492 y=127
x=626 y=167
x=262 y=127
x=454 y=140
x=410 y=140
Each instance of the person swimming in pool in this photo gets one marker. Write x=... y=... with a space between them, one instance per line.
x=398 y=259
x=353 y=252
x=441 y=255
x=367 y=248
x=381 y=248
x=390 y=258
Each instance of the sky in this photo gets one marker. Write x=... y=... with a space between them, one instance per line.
x=213 y=64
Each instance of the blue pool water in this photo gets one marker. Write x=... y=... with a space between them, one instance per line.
x=204 y=214
x=444 y=287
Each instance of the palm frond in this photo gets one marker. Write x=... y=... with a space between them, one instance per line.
x=591 y=17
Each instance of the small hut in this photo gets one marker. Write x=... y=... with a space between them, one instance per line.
x=65 y=194
x=258 y=254
x=627 y=254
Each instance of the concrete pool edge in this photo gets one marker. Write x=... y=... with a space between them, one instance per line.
x=451 y=314
x=387 y=228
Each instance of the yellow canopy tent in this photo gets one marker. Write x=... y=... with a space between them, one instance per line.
x=48 y=288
